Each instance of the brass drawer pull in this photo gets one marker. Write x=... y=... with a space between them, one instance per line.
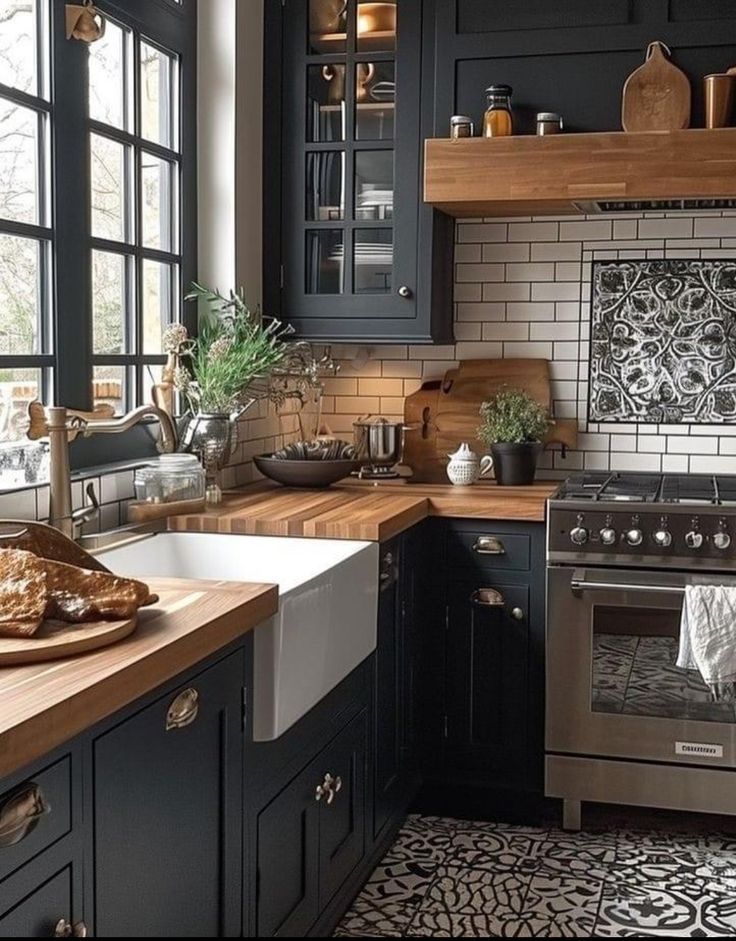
x=183 y=710
x=489 y=545
x=488 y=598
x=65 y=929
x=20 y=814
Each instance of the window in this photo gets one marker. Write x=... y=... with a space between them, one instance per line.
x=97 y=202
x=26 y=236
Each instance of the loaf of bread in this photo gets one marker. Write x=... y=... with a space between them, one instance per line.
x=32 y=588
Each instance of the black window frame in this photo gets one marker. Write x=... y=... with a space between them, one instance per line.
x=172 y=26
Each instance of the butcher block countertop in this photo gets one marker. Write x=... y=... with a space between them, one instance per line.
x=47 y=704
x=361 y=510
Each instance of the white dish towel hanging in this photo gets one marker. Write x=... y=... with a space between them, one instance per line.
x=708 y=637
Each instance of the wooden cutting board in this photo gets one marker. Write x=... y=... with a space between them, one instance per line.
x=56 y=639
x=443 y=413
x=657 y=95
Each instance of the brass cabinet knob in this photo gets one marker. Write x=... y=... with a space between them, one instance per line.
x=328 y=788
x=20 y=814
x=405 y=292
x=65 y=929
x=183 y=710
x=517 y=614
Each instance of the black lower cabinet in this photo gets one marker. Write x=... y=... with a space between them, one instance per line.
x=312 y=835
x=166 y=798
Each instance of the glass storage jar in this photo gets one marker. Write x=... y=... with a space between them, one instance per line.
x=498 y=120
x=171 y=478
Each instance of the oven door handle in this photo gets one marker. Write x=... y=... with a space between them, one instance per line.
x=579 y=584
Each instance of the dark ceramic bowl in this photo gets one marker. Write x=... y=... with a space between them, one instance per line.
x=304 y=473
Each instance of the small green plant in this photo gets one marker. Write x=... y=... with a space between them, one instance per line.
x=513 y=417
x=235 y=351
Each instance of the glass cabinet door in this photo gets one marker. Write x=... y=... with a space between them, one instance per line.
x=352 y=142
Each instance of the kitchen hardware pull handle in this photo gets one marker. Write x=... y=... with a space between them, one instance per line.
x=489 y=545
x=328 y=789
x=20 y=814
x=488 y=598
x=579 y=585
x=183 y=710
x=65 y=929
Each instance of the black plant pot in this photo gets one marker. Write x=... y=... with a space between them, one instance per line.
x=515 y=464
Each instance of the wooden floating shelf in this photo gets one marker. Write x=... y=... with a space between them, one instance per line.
x=382 y=40
x=567 y=173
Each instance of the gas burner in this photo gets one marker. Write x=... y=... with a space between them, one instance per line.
x=377 y=472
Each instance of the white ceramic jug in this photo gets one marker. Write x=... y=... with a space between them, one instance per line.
x=465 y=468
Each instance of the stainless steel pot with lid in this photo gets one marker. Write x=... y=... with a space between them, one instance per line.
x=379 y=443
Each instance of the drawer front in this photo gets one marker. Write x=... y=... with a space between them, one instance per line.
x=38 y=914
x=34 y=815
x=487 y=549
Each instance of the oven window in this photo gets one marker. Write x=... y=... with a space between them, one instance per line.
x=634 y=672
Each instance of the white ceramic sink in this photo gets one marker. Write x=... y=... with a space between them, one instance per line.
x=328 y=600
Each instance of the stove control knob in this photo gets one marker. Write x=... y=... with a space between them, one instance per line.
x=722 y=539
x=578 y=535
x=663 y=538
x=694 y=539
x=634 y=537
x=608 y=536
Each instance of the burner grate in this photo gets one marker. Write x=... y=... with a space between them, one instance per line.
x=690 y=489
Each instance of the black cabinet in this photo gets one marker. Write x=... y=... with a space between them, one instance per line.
x=361 y=256
x=166 y=798
x=312 y=835
x=482 y=657
x=44 y=897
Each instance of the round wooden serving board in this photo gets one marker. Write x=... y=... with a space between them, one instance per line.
x=55 y=639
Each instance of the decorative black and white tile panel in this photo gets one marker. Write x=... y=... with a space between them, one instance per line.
x=452 y=878
x=663 y=342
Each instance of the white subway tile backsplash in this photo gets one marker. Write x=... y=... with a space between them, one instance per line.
x=677 y=444
x=531 y=271
x=18 y=505
x=482 y=232
x=530 y=311
x=507 y=292
x=504 y=251
x=534 y=231
x=591 y=229
x=676 y=228
x=554 y=331
x=715 y=226
x=483 y=311
x=556 y=251
x=480 y=272
x=555 y=291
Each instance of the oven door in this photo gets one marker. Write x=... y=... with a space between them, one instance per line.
x=613 y=687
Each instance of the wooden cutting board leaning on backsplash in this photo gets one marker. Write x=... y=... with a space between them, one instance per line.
x=446 y=412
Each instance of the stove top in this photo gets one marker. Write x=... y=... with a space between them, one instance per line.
x=688 y=489
x=653 y=520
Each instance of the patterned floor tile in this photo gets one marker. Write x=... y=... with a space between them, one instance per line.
x=419 y=841
x=564 y=899
x=499 y=850
x=675 y=909
x=459 y=891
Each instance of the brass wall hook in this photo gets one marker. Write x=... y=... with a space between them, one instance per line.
x=84 y=22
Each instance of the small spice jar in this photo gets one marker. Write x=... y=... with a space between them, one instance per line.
x=498 y=120
x=548 y=122
x=461 y=126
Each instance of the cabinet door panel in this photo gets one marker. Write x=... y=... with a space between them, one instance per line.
x=37 y=915
x=487 y=681
x=164 y=804
x=389 y=687
x=342 y=821
x=288 y=844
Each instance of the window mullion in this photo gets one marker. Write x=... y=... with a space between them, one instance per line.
x=72 y=218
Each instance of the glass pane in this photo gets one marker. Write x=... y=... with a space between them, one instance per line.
x=109 y=387
x=327 y=26
x=108 y=302
x=325 y=262
x=108 y=188
x=156 y=194
x=374 y=184
x=325 y=187
x=375 y=85
x=18 y=62
x=157 y=101
x=635 y=670
x=377 y=27
x=18 y=388
x=374 y=260
x=326 y=103
x=20 y=296
x=158 y=304
x=107 y=102
x=18 y=163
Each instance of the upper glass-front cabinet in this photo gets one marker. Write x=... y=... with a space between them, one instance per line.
x=350 y=183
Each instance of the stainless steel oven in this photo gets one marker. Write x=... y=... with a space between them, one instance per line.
x=624 y=723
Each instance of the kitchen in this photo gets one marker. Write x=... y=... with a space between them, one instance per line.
x=325 y=644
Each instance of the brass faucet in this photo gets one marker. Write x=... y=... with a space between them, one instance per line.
x=61 y=426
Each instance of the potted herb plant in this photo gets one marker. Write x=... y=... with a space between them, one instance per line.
x=222 y=372
x=513 y=425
